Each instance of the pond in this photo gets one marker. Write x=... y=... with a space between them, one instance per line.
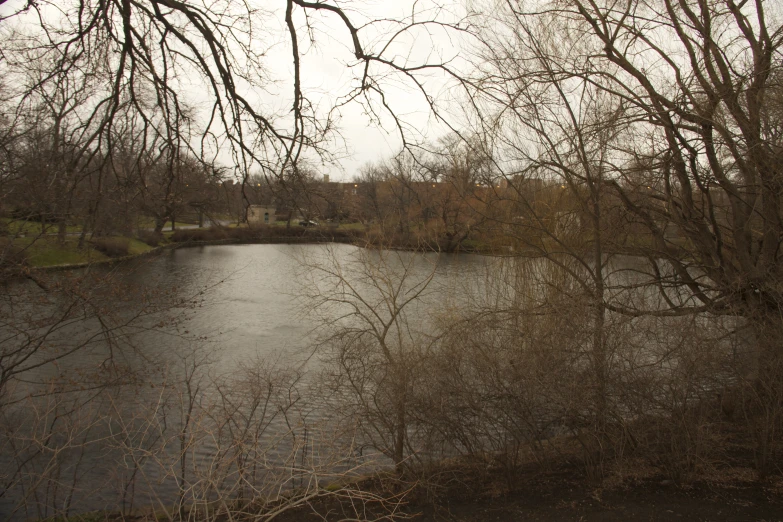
x=233 y=340
x=197 y=374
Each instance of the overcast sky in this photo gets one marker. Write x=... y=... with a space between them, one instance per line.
x=327 y=75
x=330 y=70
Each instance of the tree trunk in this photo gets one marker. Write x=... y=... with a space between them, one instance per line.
x=160 y=222
x=400 y=434
x=61 y=231
x=82 y=236
x=599 y=324
x=764 y=412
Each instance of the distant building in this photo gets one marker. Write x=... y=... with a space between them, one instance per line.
x=261 y=215
x=568 y=223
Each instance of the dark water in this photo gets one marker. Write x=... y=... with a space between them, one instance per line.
x=213 y=396
x=248 y=307
x=239 y=327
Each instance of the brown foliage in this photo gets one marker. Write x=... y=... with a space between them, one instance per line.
x=112 y=246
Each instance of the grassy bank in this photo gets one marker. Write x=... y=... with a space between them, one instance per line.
x=24 y=227
x=266 y=233
x=351 y=233
x=47 y=251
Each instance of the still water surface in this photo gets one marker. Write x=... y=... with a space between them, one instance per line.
x=245 y=309
x=248 y=307
x=252 y=303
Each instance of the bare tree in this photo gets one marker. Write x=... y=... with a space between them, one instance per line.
x=653 y=119
x=372 y=347
x=184 y=444
x=142 y=50
x=463 y=169
x=684 y=120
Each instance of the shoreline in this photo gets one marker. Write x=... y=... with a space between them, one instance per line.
x=186 y=244
x=302 y=239
x=306 y=237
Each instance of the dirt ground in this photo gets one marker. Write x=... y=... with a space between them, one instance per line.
x=566 y=496
x=653 y=501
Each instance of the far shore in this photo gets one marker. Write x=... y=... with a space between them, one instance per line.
x=45 y=253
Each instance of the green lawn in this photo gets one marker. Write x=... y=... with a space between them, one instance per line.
x=18 y=227
x=136 y=247
x=33 y=228
x=47 y=251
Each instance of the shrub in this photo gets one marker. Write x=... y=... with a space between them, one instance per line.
x=199 y=234
x=150 y=237
x=112 y=246
x=261 y=232
x=12 y=258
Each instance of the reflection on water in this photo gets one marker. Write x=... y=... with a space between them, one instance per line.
x=248 y=308
x=211 y=398
x=227 y=363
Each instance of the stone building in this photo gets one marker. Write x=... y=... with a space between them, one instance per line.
x=261 y=215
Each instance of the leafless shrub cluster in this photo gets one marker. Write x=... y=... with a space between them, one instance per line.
x=372 y=345
x=188 y=445
x=91 y=420
x=506 y=371
x=650 y=129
